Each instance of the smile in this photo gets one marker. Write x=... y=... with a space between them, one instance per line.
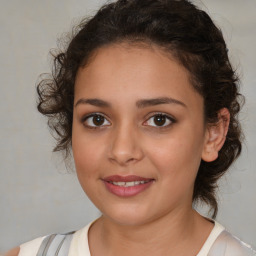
x=127 y=186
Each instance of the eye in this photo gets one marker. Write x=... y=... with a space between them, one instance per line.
x=160 y=120
x=95 y=120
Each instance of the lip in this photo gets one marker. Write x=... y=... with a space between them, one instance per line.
x=122 y=191
x=129 y=178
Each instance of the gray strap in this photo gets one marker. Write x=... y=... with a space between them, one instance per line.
x=55 y=245
x=64 y=247
x=45 y=245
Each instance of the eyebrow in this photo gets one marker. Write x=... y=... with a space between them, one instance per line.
x=140 y=104
x=94 y=102
x=158 y=101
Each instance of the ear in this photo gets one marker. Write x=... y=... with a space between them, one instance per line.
x=215 y=136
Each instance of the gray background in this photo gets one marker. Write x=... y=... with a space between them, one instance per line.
x=37 y=195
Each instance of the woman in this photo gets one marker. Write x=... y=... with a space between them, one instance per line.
x=146 y=98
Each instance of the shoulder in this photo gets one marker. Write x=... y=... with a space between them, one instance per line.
x=54 y=244
x=228 y=245
x=13 y=252
x=47 y=245
x=27 y=249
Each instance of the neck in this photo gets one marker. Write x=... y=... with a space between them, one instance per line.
x=172 y=234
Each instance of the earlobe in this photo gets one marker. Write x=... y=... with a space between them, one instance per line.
x=215 y=136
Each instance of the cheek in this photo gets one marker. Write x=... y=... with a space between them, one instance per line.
x=177 y=155
x=177 y=162
x=87 y=155
x=87 y=159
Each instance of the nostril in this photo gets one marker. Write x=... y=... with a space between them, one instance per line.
x=122 y=160
x=124 y=149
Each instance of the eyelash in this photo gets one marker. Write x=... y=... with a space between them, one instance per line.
x=168 y=117
x=153 y=115
x=85 y=118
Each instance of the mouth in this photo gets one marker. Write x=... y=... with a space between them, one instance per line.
x=127 y=186
x=129 y=183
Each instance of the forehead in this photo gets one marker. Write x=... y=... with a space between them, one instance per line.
x=119 y=70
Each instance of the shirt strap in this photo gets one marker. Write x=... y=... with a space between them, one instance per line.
x=55 y=245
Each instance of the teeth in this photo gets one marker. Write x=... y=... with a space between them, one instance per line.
x=119 y=183
x=128 y=184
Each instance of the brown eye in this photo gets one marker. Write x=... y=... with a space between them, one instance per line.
x=98 y=120
x=160 y=120
x=95 y=120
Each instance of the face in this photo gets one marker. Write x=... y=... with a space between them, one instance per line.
x=138 y=134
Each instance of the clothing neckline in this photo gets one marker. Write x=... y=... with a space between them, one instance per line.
x=217 y=229
x=80 y=243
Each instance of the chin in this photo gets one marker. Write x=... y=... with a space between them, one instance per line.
x=129 y=217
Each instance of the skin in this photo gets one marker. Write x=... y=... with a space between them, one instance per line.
x=159 y=220
x=13 y=252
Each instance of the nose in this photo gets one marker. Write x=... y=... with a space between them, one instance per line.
x=125 y=147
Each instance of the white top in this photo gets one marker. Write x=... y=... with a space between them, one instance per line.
x=219 y=243
x=211 y=239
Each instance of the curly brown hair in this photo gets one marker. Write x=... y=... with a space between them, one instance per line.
x=178 y=27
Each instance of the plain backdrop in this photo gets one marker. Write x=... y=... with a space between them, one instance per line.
x=37 y=195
